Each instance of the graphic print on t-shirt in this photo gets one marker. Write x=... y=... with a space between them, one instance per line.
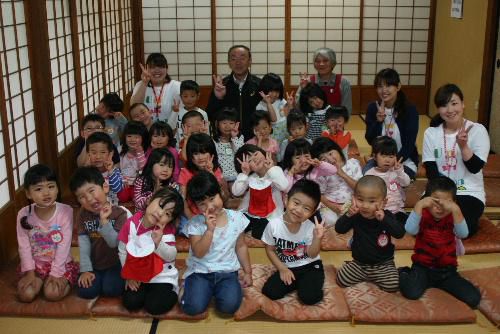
x=289 y=251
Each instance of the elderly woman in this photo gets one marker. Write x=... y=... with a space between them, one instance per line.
x=336 y=87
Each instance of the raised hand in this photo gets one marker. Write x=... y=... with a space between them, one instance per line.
x=210 y=220
x=398 y=165
x=319 y=228
x=109 y=164
x=186 y=132
x=145 y=75
x=245 y=164
x=463 y=136
x=290 y=99
x=380 y=111
x=219 y=88
x=379 y=214
x=353 y=209
x=313 y=162
x=209 y=166
x=265 y=98
x=105 y=213
x=448 y=205
x=175 y=106
x=304 y=79
x=269 y=162
x=235 y=130
x=287 y=276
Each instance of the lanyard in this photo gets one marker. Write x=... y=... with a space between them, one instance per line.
x=389 y=126
x=157 y=98
x=449 y=156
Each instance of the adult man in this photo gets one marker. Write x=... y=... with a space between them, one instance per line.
x=238 y=90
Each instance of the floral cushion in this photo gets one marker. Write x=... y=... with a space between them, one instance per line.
x=487 y=280
x=370 y=304
x=333 y=306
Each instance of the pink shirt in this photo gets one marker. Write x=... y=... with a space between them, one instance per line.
x=395 y=181
x=273 y=147
x=187 y=175
x=47 y=241
x=324 y=169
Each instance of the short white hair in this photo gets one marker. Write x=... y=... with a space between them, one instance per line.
x=327 y=53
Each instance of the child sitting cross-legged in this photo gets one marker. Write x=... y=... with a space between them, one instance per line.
x=293 y=244
x=217 y=250
x=372 y=249
x=437 y=221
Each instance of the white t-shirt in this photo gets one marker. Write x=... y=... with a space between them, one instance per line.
x=225 y=153
x=335 y=188
x=170 y=91
x=453 y=167
x=278 y=106
x=221 y=257
x=175 y=121
x=391 y=129
x=290 y=247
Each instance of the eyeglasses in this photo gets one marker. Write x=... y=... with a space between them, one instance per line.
x=93 y=129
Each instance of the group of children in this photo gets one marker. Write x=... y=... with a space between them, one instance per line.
x=181 y=175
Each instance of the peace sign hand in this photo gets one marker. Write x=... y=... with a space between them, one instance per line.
x=175 y=106
x=304 y=79
x=219 y=88
x=319 y=228
x=210 y=164
x=235 y=130
x=463 y=136
x=145 y=75
x=353 y=209
x=268 y=163
x=265 y=97
x=398 y=164
x=379 y=214
x=380 y=111
x=245 y=164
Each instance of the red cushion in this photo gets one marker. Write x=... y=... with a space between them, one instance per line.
x=332 y=307
x=492 y=167
x=487 y=280
x=486 y=240
x=70 y=306
x=370 y=304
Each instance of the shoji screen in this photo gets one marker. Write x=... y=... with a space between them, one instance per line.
x=395 y=35
x=181 y=31
x=18 y=97
x=127 y=46
x=111 y=40
x=333 y=24
x=90 y=53
x=259 y=25
x=63 y=72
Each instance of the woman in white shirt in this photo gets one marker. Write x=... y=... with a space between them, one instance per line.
x=156 y=89
x=458 y=148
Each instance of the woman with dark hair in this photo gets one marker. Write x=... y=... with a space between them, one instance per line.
x=395 y=117
x=156 y=89
x=457 y=148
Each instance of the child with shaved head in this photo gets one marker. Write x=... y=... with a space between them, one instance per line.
x=372 y=249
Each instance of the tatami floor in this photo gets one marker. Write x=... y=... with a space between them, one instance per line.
x=261 y=323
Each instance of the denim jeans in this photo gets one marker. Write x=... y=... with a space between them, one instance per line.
x=199 y=289
x=107 y=283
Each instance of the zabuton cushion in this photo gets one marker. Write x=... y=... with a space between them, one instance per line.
x=486 y=240
x=491 y=187
x=70 y=306
x=487 y=280
x=333 y=306
x=368 y=303
x=492 y=167
x=252 y=242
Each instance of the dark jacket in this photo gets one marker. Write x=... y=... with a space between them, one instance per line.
x=244 y=101
x=408 y=128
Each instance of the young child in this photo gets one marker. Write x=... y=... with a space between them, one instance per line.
x=162 y=136
x=157 y=174
x=372 y=249
x=313 y=103
x=201 y=155
x=293 y=245
x=44 y=237
x=217 y=250
x=100 y=151
x=91 y=123
x=192 y=122
x=262 y=183
x=261 y=124
x=272 y=92
x=134 y=145
x=337 y=189
x=227 y=141
x=147 y=253
x=298 y=163
x=296 y=124
x=336 y=118
x=392 y=172
x=437 y=221
x=140 y=112
x=98 y=224
x=190 y=96
x=110 y=108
